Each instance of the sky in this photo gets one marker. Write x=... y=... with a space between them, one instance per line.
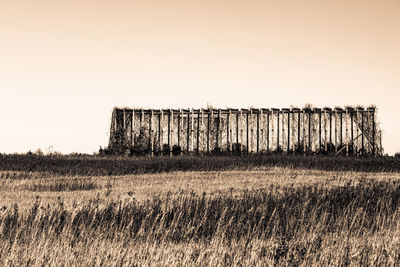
x=64 y=65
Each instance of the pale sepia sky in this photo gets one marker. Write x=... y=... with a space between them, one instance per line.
x=65 y=64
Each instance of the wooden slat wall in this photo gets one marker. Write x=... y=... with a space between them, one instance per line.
x=347 y=131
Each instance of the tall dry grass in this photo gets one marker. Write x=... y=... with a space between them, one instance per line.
x=355 y=224
x=100 y=166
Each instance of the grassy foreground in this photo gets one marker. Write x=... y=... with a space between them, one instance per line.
x=271 y=216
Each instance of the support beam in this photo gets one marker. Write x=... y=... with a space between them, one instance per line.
x=188 y=133
x=151 y=150
x=133 y=129
x=362 y=132
x=267 y=132
x=208 y=130
x=247 y=132
x=228 y=142
x=373 y=131
x=288 y=132
x=258 y=132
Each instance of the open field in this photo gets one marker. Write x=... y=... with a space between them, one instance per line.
x=263 y=215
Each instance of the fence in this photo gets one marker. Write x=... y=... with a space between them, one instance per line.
x=308 y=130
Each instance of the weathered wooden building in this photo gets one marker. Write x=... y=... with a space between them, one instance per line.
x=255 y=130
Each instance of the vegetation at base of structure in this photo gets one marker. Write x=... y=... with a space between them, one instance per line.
x=353 y=225
x=87 y=165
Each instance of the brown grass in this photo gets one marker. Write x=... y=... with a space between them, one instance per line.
x=267 y=216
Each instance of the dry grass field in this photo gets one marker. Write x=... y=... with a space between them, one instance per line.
x=261 y=216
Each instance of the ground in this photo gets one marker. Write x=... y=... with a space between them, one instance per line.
x=261 y=216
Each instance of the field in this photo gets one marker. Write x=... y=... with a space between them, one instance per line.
x=273 y=210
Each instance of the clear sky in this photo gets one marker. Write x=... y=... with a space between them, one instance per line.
x=65 y=64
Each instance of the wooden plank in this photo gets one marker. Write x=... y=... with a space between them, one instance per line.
x=181 y=132
x=320 y=130
x=277 y=131
x=192 y=131
x=151 y=134
x=170 y=131
x=373 y=132
x=325 y=132
x=309 y=131
x=198 y=132
x=304 y=132
x=347 y=133
x=362 y=132
x=357 y=132
x=188 y=133
x=258 y=132
x=228 y=143
x=179 y=129
x=299 y=129
x=336 y=132
x=268 y=132
x=288 y=133
x=352 y=129
x=241 y=133
x=162 y=133
x=237 y=130
x=133 y=129
x=218 y=129
x=208 y=131
x=272 y=131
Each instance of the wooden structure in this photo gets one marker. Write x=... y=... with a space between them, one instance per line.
x=255 y=130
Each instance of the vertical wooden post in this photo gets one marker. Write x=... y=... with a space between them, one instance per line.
x=237 y=130
x=170 y=130
x=352 y=130
x=293 y=132
x=298 y=130
x=330 y=129
x=198 y=131
x=267 y=132
x=336 y=132
x=362 y=132
x=304 y=132
x=288 y=132
x=230 y=132
x=373 y=131
x=347 y=132
x=151 y=133
x=159 y=131
x=241 y=133
x=192 y=131
x=179 y=128
x=124 y=132
x=208 y=130
x=181 y=134
x=357 y=135
x=320 y=130
x=202 y=130
x=133 y=129
x=277 y=130
x=217 y=131
x=141 y=119
x=272 y=130
x=258 y=131
x=228 y=143
x=162 y=133
x=188 y=132
x=341 y=128
x=310 y=124
x=325 y=132
x=247 y=132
